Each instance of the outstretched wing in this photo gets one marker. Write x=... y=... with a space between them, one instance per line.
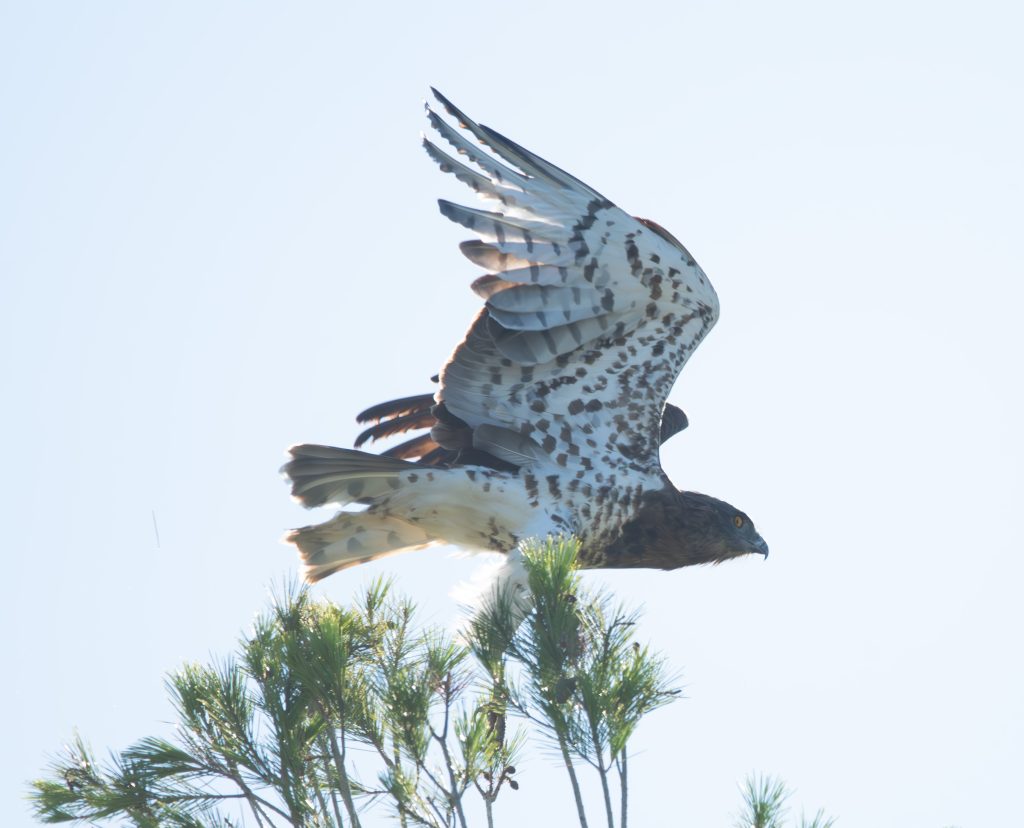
x=590 y=313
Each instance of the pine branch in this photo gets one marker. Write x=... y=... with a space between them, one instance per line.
x=269 y=730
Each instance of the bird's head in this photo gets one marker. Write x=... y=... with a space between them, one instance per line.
x=673 y=529
x=717 y=531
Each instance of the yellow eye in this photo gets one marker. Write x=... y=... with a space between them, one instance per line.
x=738 y=520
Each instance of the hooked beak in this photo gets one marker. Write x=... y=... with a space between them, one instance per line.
x=761 y=548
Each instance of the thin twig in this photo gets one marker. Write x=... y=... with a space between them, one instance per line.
x=572 y=778
x=333 y=788
x=449 y=795
x=323 y=803
x=253 y=798
x=346 y=788
x=488 y=804
x=603 y=771
x=456 y=794
x=623 y=790
x=488 y=797
x=445 y=819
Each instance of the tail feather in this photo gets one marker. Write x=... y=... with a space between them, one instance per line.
x=324 y=474
x=410 y=505
x=352 y=538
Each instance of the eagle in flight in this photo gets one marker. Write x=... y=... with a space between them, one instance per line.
x=549 y=414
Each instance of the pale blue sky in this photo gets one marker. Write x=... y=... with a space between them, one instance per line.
x=218 y=237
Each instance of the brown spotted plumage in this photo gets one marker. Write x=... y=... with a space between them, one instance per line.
x=550 y=413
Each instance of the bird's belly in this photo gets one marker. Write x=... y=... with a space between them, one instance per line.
x=474 y=508
x=591 y=506
x=486 y=510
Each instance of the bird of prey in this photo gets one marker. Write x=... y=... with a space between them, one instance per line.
x=549 y=414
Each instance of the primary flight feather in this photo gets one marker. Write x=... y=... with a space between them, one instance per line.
x=550 y=413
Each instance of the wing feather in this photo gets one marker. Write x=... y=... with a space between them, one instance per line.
x=495 y=226
x=498 y=172
x=542 y=344
x=589 y=316
x=506 y=256
x=542 y=307
x=482 y=185
x=396 y=408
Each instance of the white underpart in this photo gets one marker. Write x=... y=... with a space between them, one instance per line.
x=454 y=508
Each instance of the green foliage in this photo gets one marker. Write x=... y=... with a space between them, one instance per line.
x=325 y=711
x=272 y=732
x=764 y=805
x=583 y=680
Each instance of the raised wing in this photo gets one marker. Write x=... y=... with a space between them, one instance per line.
x=590 y=313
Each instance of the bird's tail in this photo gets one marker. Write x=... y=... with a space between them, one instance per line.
x=324 y=474
x=352 y=538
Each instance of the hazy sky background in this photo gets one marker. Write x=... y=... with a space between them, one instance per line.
x=218 y=236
